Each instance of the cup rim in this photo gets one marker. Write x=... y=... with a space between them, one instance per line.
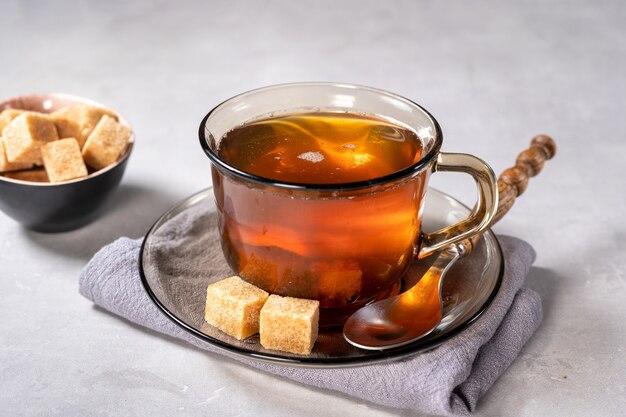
x=425 y=160
x=78 y=100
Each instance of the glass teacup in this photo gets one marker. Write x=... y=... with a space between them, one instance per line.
x=342 y=243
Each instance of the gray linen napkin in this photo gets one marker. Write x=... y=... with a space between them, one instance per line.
x=447 y=380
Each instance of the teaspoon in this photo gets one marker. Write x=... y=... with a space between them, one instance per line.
x=412 y=315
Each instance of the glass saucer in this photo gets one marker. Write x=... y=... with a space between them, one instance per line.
x=181 y=255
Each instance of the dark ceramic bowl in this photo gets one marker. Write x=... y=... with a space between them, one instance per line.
x=62 y=206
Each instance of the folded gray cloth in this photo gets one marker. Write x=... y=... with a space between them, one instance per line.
x=446 y=380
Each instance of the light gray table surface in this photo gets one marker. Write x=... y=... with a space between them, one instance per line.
x=493 y=74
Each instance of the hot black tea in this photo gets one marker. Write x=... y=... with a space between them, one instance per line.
x=320 y=148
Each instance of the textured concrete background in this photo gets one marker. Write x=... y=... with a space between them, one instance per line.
x=493 y=74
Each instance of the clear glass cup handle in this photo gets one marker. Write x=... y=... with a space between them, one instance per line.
x=483 y=212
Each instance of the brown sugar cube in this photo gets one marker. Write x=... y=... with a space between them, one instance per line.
x=106 y=143
x=289 y=324
x=62 y=160
x=233 y=306
x=32 y=175
x=338 y=280
x=7 y=115
x=24 y=136
x=78 y=121
x=5 y=165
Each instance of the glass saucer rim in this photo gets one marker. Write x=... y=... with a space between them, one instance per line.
x=370 y=356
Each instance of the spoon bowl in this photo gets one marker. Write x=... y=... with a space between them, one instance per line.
x=405 y=318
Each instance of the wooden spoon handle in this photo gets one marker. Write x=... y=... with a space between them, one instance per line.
x=513 y=181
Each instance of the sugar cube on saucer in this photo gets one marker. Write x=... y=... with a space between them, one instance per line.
x=79 y=121
x=25 y=135
x=289 y=324
x=63 y=160
x=106 y=143
x=234 y=306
